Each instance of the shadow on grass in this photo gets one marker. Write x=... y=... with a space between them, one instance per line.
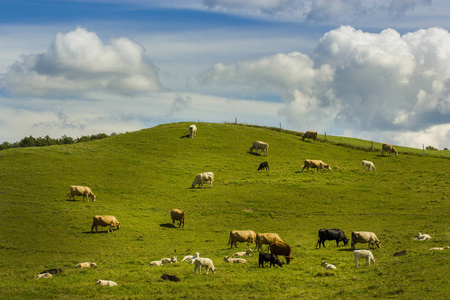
x=167 y=225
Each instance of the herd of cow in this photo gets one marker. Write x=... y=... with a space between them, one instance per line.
x=276 y=246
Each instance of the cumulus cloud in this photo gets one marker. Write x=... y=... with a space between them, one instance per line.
x=355 y=80
x=78 y=62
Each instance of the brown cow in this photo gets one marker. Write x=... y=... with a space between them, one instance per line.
x=281 y=248
x=266 y=239
x=310 y=135
x=178 y=215
x=388 y=148
x=104 y=221
x=76 y=190
x=315 y=164
x=365 y=237
x=241 y=236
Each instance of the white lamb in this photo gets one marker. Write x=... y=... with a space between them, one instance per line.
x=155 y=263
x=44 y=275
x=191 y=257
x=204 y=262
x=328 y=266
x=369 y=165
x=234 y=260
x=106 y=282
x=363 y=254
x=169 y=260
x=85 y=265
x=422 y=237
x=240 y=254
x=439 y=248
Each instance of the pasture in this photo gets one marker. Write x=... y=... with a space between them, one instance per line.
x=140 y=176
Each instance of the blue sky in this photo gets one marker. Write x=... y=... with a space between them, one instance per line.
x=376 y=70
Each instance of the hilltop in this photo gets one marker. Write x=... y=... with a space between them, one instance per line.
x=140 y=176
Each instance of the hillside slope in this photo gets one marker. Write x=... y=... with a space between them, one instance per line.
x=140 y=176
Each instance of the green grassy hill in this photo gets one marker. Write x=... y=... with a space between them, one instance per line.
x=140 y=176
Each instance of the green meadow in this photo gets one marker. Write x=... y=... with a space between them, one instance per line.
x=140 y=176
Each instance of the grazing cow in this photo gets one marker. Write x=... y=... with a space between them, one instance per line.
x=191 y=257
x=388 y=148
x=240 y=254
x=106 y=282
x=315 y=164
x=85 y=265
x=363 y=254
x=369 y=165
x=192 y=131
x=178 y=215
x=170 y=277
x=204 y=262
x=281 y=248
x=84 y=191
x=331 y=234
x=422 y=237
x=266 y=239
x=310 y=135
x=52 y=271
x=234 y=260
x=263 y=166
x=104 y=221
x=328 y=266
x=365 y=237
x=271 y=258
x=44 y=275
x=241 y=236
x=203 y=177
x=258 y=145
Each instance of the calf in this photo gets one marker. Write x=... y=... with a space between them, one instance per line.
x=170 y=277
x=263 y=166
x=331 y=234
x=363 y=254
x=266 y=257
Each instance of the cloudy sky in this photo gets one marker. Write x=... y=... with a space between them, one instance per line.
x=371 y=69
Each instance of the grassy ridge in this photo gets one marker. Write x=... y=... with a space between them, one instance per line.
x=139 y=177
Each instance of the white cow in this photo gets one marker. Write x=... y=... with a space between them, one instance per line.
x=203 y=177
x=192 y=131
x=328 y=266
x=258 y=145
x=369 y=165
x=363 y=254
x=204 y=262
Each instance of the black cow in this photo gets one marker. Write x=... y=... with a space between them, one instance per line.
x=266 y=257
x=52 y=271
x=170 y=277
x=331 y=234
x=263 y=165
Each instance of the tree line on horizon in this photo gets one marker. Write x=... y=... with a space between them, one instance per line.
x=48 y=141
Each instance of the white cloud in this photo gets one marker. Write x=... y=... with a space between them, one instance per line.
x=356 y=80
x=78 y=62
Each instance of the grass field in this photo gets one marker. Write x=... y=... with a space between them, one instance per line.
x=140 y=176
